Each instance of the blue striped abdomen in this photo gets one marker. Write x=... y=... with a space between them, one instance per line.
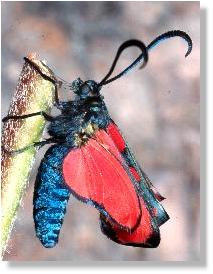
x=50 y=196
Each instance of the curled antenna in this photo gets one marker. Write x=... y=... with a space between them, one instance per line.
x=143 y=57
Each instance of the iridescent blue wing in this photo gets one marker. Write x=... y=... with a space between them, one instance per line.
x=50 y=196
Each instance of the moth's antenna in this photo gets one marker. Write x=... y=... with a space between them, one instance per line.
x=170 y=34
x=143 y=57
x=127 y=44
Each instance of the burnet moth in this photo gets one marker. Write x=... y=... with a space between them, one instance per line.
x=90 y=159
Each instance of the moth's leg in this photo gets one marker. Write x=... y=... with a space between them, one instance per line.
x=19 y=117
x=57 y=101
x=50 y=196
x=55 y=82
x=35 y=144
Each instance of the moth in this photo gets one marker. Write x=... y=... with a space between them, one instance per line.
x=90 y=160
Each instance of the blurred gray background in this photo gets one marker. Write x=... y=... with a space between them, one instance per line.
x=157 y=110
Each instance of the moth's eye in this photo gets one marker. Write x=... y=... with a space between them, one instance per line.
x=85 y=90
x=93 y=86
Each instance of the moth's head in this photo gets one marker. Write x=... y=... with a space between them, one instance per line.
x=85 y=89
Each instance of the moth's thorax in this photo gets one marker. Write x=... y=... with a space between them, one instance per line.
x=79 y=120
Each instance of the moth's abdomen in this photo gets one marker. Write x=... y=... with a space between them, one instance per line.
x=50 y=197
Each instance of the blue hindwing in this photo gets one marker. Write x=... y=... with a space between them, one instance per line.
x=50 y=196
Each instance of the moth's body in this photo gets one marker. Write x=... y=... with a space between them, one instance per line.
x=90 y=159
x=81 y=121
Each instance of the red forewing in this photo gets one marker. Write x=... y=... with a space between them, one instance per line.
x=146 y=190
x=119 y=141
x=94 y=174
x=117 y=138
x=137 y=177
